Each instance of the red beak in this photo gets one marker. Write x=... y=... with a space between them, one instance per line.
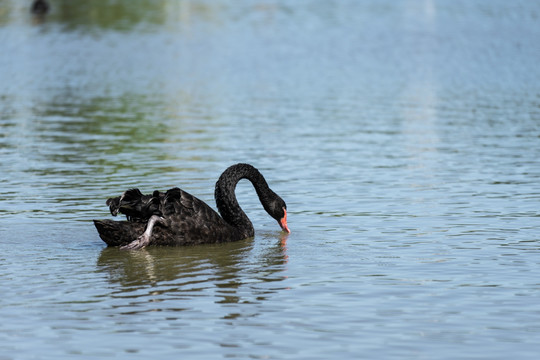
x=283 y=222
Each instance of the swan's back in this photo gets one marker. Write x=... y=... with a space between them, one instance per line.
x=185 y=219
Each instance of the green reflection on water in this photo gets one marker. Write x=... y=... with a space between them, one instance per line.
x=107 y=134
x=99 y=15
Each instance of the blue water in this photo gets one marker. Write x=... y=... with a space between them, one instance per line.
x=404 y=137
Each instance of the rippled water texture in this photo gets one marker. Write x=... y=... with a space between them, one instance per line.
x=404 y=136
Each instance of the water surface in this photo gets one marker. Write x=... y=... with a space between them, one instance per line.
x=404 y=137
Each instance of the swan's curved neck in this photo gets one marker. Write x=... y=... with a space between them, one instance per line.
x=225 y=196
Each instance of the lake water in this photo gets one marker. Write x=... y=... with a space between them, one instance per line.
x=403 y=135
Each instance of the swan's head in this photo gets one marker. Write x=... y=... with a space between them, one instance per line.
x=278 y=210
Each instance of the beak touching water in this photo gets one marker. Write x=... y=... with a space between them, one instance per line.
x=283 y=222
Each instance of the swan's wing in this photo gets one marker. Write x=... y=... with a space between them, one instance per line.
x=183 y=206
x=178 y=202
x=188 y=220
x=181 y=211
x=135 y=205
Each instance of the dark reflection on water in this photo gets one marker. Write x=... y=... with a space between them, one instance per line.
x=185 y=273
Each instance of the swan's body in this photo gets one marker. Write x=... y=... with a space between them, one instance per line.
x=176 y=217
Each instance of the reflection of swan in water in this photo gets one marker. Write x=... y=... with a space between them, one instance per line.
x=163 y=273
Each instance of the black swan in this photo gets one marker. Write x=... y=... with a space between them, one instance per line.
x=175 y=217
x=39 y=7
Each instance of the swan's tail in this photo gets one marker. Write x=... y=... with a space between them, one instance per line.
x=118 y=233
